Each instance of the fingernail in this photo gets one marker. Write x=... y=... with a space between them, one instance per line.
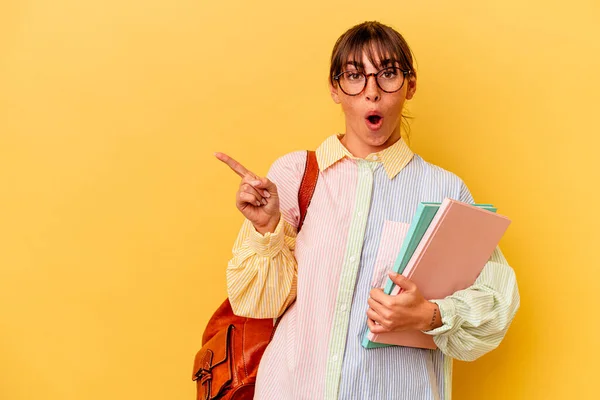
x=393 y=274
x=258 y=203
x=254 y=183
x=264 y=201
x=267 y=194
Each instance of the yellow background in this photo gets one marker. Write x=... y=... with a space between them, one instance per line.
x=117 y=222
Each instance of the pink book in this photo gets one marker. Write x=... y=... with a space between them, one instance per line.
x=450 y=256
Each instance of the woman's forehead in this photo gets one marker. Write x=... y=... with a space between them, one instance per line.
x=378 y=54
x=367 y=60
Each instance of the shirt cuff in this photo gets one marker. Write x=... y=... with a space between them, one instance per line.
x=448 y=313
x=269 y=244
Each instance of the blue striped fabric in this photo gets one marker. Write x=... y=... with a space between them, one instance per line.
x=394 y=372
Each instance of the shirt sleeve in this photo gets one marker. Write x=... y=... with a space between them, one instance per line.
x=476 y=319
x=262 y=274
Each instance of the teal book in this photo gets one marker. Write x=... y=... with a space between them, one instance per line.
x=420 y=222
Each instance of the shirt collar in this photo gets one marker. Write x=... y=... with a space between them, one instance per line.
x=393 y=158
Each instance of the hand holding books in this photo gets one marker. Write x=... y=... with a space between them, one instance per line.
x=445 y=249
x=408 y=310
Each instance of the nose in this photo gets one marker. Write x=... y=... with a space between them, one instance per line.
x=372 y=90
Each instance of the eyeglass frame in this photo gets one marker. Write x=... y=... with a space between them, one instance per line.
x=367 y=76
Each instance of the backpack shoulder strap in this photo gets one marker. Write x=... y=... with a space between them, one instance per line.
x=308 y=184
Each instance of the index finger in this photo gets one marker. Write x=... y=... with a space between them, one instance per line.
x=234 y=165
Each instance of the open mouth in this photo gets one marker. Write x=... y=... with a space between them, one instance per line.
x=374 y=121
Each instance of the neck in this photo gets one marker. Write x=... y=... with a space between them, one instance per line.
x=361 y=149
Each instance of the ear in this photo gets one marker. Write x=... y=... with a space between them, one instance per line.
x=412 y=87
x=334 y=90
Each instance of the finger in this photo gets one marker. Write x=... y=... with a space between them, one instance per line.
x=254 y=181
x=376 y=328
x=375 y=316
x=403 y=282
x=233 y=164
x=265 y=184
x=247 y=188
x=379 y=308
x=381 y=319
x=249 y=199
x=380 y=297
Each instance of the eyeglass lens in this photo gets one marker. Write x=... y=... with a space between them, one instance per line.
x=389 y=80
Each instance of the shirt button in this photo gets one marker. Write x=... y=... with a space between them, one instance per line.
x=343 y=308
x=352 y=259
x=375 y=158
x=360 y=213
x=334 y=358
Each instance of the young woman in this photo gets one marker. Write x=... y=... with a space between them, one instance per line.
x=327 y=278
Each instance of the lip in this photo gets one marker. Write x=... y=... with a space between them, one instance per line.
x=374 y=112
x=371 y=126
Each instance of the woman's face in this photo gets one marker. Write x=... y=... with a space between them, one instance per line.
x=373 y=117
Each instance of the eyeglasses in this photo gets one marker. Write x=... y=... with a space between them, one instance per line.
x=389 y=80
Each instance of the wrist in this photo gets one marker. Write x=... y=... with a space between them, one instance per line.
x=269 y=227
x=432 y=317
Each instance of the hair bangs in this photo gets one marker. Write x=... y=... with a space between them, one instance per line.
x=382 y=45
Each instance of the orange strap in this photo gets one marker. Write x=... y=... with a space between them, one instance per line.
x=307 y=186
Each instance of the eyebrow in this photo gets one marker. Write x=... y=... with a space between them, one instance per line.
x=384 y=63
x=355 y=64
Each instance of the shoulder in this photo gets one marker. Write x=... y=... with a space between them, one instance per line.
x=292 y=161
x=288 y=167
x=437 y=173
x=447 y=181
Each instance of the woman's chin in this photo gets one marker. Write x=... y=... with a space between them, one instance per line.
x=379 y=138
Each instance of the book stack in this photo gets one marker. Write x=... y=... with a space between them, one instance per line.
x=445 y=249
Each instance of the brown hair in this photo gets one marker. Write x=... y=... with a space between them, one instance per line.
x=379 y=42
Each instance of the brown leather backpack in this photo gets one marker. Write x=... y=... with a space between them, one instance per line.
x=225 y=368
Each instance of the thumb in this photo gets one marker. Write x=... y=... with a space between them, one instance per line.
x=402 y=281
x=265 y=184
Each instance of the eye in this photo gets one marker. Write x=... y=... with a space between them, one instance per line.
x=354 y=76
x=389 y=73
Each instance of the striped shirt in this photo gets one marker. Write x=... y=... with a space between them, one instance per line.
x=347 y=244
